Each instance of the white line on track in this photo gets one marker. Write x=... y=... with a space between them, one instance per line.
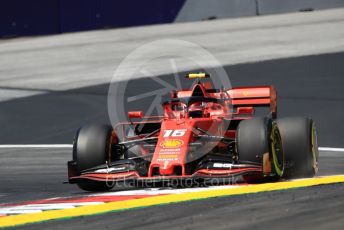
x=14 y=146
x=34 y=208
x=331 y=149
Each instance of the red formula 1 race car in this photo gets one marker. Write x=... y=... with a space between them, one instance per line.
x=205 y=134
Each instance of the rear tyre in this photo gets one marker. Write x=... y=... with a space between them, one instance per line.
x=259 y=138
x=300 y=146
x=91 y=147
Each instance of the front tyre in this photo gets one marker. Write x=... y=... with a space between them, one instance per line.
x=300 y=144
x=91 y=147
x=258 y=141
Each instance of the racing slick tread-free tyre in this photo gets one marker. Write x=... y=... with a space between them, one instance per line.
x=300 y=146
x=91 y=148
x=258 y=136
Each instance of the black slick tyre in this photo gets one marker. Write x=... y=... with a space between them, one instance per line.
x=258 y=138
x=300 y=146
x=91 y=148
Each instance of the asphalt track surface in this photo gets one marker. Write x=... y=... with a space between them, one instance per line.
x=310 y=208
x=308 y=86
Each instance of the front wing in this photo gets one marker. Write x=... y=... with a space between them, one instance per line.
x=237 y=173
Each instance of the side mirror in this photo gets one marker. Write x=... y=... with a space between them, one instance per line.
x=135 y=114
x=245 y=110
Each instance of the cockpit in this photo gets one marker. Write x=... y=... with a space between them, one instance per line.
x=194 y=107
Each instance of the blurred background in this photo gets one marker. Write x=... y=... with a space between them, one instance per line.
x=40 y=17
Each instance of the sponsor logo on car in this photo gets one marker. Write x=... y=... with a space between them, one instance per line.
x=245 y=93
x=172 y=143
x=168 y=156
x=108 y=170
x=222 y=165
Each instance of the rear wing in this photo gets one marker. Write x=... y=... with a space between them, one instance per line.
x=256 y=96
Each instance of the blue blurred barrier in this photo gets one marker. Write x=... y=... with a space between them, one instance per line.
x=79 y=15
x=39 y=17
x=29 y=17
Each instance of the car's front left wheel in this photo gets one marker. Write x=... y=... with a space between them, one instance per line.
x=300 y=144
x=258 y=141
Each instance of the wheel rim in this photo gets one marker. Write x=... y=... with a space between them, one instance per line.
x=314 y=143
x=277 y=150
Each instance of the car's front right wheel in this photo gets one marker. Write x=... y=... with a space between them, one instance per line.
x=91 y=147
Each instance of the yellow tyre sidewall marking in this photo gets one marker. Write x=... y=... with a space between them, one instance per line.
x=314 y=147
x=278 y=170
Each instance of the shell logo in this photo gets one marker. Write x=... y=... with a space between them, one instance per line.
x=172 y=143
